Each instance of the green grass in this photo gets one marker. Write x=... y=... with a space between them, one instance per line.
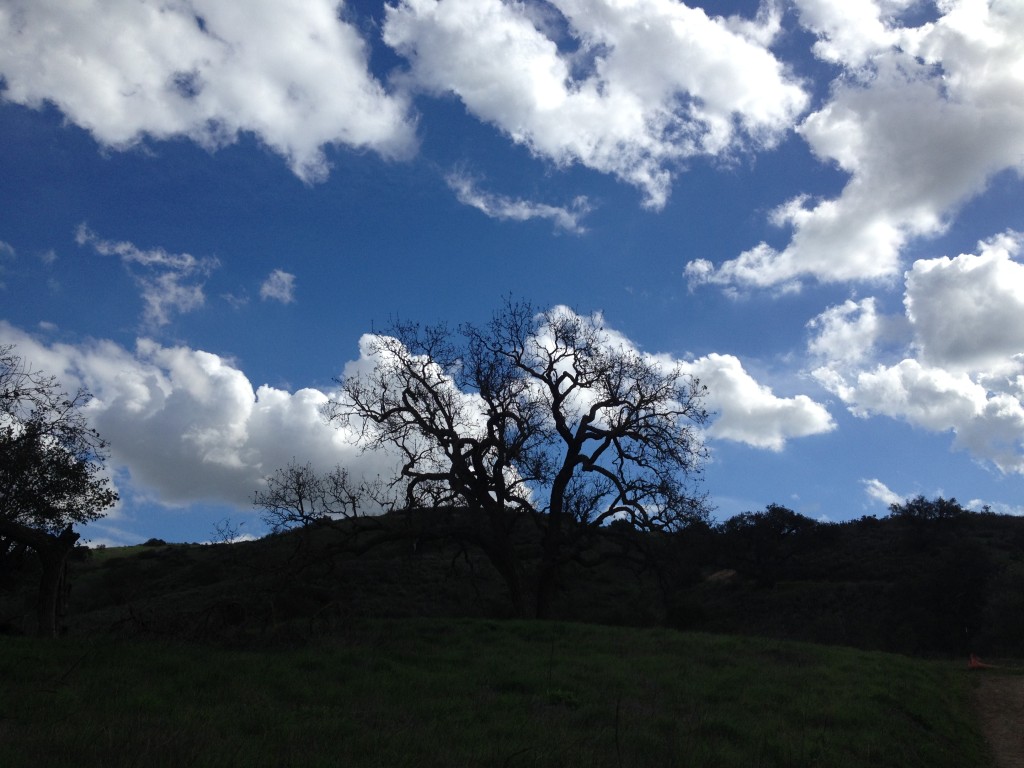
x=454 y=693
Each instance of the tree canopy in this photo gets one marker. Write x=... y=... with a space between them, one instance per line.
x=51 y=471
x=920 y=509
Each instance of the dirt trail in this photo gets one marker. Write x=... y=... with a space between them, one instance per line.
x=1000 y=700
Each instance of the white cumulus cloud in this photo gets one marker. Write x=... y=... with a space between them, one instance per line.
x=188 y=426
x=921 y=119
x=749 y=412
x=647 y=84
x=968 y=312
x=988 y=424
x=960 y=368
x=291 y=72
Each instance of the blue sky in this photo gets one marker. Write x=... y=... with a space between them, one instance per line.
x=815 y=206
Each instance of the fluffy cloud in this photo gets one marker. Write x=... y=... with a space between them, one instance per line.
x=506 y=208
x=748 y=412
x=624 y=88
x=291 y=72
x=846 y=333
x=188 y=426
x=922 y=118
x=170 y=282
x=279 y=286
x=968 y=312
x=851 y=33
x=961 y=366
x=988 y=424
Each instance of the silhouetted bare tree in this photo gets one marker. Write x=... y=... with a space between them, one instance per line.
x=296 y=496
x=540 y=417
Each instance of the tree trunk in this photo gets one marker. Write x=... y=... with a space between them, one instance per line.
x=547 y=582
x=542 y=604
x=549 y=568
x=507 y=568
x=53 y=554
x=52 y=586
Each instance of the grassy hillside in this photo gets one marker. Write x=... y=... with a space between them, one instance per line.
x=944 y=589
x=938 y=588
x=441 y=692
x=292 y=651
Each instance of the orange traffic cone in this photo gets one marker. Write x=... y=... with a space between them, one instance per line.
x=975 y=663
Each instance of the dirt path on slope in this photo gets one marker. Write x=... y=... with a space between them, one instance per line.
x=1000 y=702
